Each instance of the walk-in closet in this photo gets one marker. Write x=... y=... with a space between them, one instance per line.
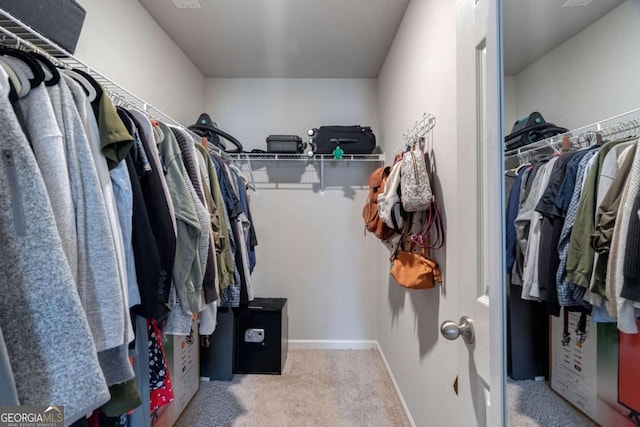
x=319 y=213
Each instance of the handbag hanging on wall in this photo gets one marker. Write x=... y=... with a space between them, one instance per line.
x=389 y=204
x=415 y=184
x=412 y=270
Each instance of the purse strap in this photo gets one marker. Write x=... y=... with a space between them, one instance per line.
x=404 y=238
x=432 y=225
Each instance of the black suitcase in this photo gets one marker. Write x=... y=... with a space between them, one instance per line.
x=284 y=144
x=352 y=139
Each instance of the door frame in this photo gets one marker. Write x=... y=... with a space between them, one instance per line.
x=498 y=312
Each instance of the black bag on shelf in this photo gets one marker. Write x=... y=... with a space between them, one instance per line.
x=530 y=129
x=60 y=21
x=351 y=139
x=207 y=128
x=291 y=144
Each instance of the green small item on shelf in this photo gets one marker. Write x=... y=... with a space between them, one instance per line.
x=337 y=153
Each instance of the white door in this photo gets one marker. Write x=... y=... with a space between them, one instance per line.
x=479 y=276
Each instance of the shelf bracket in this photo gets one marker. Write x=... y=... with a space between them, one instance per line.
x=253 y=182
x=322 y=176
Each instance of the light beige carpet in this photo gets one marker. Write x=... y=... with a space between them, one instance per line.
x=337 y=388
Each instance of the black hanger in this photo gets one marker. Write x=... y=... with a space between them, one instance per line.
x=91 y=80
x=13 y=94
x=36 y=69
x=52 y=68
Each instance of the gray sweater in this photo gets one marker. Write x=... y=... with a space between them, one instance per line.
x=48 y=339
x=48 y=147
x=98 y=283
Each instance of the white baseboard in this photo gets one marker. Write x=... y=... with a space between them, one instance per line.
x=395 y=385
x=332 y=344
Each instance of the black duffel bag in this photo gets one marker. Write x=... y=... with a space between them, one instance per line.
x=530 y=129
x=351 y=139
x=207 y=128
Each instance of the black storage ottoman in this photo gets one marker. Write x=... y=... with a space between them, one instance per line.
x=262 y=336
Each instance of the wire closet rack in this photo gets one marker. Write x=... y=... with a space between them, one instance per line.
x=15 y=33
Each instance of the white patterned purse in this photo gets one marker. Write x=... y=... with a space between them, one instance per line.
x=415 y=185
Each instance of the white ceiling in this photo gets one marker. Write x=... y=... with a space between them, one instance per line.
x=283 y=38
x=341 y=38
x=532 y=28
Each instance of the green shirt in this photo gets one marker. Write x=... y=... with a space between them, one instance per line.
x=581 y=254
x=115 y=140
x=223 y=243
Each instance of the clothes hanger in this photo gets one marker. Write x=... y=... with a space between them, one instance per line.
x=48 y=65
x=158 y=133
x=96 y=86
x=16 y=67
x=86 y=86
x=17 y=82
x=14 y=83
x=36 y=69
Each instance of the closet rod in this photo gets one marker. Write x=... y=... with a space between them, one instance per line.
x=18 y=34
x=614 y=125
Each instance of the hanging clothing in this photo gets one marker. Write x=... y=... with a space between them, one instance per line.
x=187 y=271
x=631 y=269
x=616 y=304
x=46 y=368
x=511 y=214
x=231 y=296
x=550 y=230
x=530 y=289
x=115 y=140
x=154 y=240
x=93 y=135
x=188 y=151
x=123 y=194
x=48 y=146
x=222 y=239
x=160 y=379
x=159 y=209
x=568 y=293
x=581 y=254
x=98 y=278
x=610 y=190
x=518 y=259
x=250 y=232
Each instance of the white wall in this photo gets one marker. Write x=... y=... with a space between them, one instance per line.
x=419 y=75
x=311 y=246
x=510 y=103
x=592 y=76
x=121 y=41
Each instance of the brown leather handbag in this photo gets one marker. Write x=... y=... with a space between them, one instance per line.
x=412 y=270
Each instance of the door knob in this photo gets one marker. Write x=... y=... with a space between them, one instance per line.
x=450 y=330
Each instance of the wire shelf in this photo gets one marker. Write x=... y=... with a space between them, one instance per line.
x=14 y=32
x=379 y=157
